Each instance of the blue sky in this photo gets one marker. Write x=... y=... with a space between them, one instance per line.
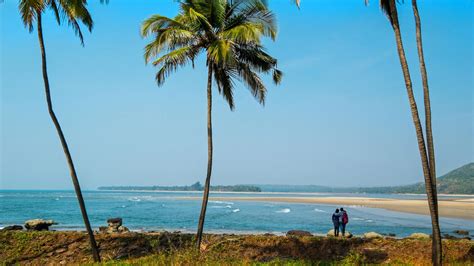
x=340 y=116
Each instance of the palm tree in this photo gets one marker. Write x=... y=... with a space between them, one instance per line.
x=229 y=32
x=427 y=159
x=437 y=244
x=71 y=10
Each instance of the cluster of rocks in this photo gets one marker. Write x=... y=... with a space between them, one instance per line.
x=31 y=225
x=114 y=225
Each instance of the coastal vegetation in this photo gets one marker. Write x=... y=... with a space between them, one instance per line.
x=230 y=34
x=165 y=248
x=194 y=187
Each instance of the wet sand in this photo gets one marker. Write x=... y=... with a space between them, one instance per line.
x=453 y=208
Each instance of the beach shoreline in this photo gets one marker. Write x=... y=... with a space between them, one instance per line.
x=452 y=208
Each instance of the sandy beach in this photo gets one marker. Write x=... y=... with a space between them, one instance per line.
x=453 y=208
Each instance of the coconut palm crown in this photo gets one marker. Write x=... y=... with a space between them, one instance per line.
x=230 y=33
x=71 y=11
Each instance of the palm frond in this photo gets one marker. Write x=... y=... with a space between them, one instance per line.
x=29 y=10
x=171 y=61
x=225 y=84
x=169 y=39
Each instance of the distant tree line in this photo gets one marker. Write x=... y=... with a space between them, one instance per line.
x=194 y=187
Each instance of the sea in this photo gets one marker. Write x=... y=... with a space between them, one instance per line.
x=171 y=211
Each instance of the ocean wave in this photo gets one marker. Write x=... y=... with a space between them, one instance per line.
x=319 y=210
x=221 y=207
x=136 y=199
x=357 y=219
x=286 y=210
x=221 y=202
x=236 y=210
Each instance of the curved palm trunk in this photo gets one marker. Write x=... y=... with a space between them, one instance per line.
x=207 y=185
x=437 y=245
x=432 y=199
x=75 y=181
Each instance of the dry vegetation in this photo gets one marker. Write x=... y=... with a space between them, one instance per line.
x=40 y=248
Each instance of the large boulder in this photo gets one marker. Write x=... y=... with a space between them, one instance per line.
x=298 y=233
x=114 y=226
x=419 y=236
x=372 y=235
x=114 y=222
x=346 y=235
x=39 y=224
x=12 y=228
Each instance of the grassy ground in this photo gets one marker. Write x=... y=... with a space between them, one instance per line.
x=40 y=248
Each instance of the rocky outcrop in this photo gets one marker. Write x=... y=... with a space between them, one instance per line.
x=461 y=232
x=346 y=235
x=372 y=235
x=114 y=226
x=298 y=233
x=12 y=228
x=419 y=236
x=38 y=224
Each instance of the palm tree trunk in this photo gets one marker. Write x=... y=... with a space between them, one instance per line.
x=75 y=181
x=437 y=244
x=432 y=201
x=207 y=185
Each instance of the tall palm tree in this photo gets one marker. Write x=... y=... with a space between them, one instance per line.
x=70 y=10
x=229 y=32
x=426 y=153
x=437 y=244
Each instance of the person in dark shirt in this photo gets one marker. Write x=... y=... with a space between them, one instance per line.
x=336 y=220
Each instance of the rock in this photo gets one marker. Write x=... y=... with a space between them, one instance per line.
x=123 y=229
x=12 y=228
x=298 y=233
x=372 y=235
x=346 y=235
x=461 y=232
x=38 y=224
x=114 y=226
x=115 y=222
x=419 y=236
x=448 y=236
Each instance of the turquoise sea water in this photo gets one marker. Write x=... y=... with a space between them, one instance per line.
x=150 y=211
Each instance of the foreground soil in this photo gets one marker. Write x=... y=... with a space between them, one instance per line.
x=54 y=248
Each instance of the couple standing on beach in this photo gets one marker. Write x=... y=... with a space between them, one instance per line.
x=340 y=219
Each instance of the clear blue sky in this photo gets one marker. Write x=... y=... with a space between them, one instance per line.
x=340 y=117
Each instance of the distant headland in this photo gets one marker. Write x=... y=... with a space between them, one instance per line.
x=457 y=181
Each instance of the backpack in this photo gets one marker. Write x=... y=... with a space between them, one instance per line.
x=345 y=218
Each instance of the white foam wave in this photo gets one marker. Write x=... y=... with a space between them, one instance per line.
x=286 y=210
x=319 y=210
x=221 y=202
x=221 y=207
x=235 y=210
x=136 y=199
